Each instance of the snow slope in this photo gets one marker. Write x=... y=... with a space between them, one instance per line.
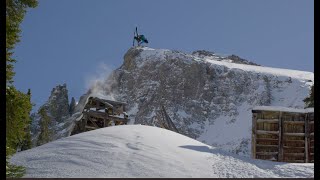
x=144 y=151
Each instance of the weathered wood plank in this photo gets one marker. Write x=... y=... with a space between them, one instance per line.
x=294 y=134
x=103 y=115
x=268 y=121
x=117 y=119
x=267 y=132
x=267 y=139
x=93 y=122
x=253 y=137
x=291 y=147
x=266 y=153
x=90 y=127
x=294 y=154
x=280 y=143
x=266 y=145
x=293 y=141
x=306 y=138
x=294 y=122
x=312 y=134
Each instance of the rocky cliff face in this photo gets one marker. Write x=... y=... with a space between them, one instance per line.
x=57 y=108
x=207 y=97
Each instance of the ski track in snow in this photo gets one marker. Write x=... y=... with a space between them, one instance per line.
x=144 y=151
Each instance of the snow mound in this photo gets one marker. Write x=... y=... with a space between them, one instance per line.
x=144 y=151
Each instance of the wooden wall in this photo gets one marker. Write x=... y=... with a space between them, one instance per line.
x=282 y=136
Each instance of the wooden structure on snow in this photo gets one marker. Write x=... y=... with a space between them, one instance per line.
x=283 y=134
x=99 y=113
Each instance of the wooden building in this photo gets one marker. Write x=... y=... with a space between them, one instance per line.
x=283 y=134
x=99 y=113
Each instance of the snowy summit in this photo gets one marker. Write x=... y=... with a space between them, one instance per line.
x=144 y=151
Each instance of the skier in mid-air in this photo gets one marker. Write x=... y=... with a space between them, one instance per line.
x=139 y=38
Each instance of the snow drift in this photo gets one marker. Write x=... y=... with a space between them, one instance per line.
x=144 y=151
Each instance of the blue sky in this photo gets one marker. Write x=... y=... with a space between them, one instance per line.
x=74 y=41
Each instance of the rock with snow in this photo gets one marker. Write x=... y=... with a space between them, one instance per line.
x=58 y=110
x=237 y=59
x=132 y=151
x=207 y=98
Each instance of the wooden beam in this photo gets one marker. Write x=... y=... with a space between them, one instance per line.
x=306 y=138
x=268 y=121
x=295 y=122
x=280 y=143
x=265 y=145
x=97 y=114
x=253 y=136
x=294 y=141
x=294 y=134
x=267 y=132
x=294 y=154
x=90 y=127
x=267 y=153
x=90 y=119
x=293 y=147
x=267 y=139
x=117 y=119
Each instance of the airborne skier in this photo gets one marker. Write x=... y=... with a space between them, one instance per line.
x=139 y=38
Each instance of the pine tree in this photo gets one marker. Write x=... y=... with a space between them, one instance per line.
x=15 y=11
x=309 y=101
x=45 y=132
x=18 y=104
x=18 y=108
x=27 y=143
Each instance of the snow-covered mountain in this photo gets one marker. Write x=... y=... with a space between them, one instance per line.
x=144 y=151
x=208 y=97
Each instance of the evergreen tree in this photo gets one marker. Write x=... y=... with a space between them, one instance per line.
x=309 y=101
x=45 y=132
x=27 y=143
x=18 y=105
x=18 y=108
x=15 y=11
